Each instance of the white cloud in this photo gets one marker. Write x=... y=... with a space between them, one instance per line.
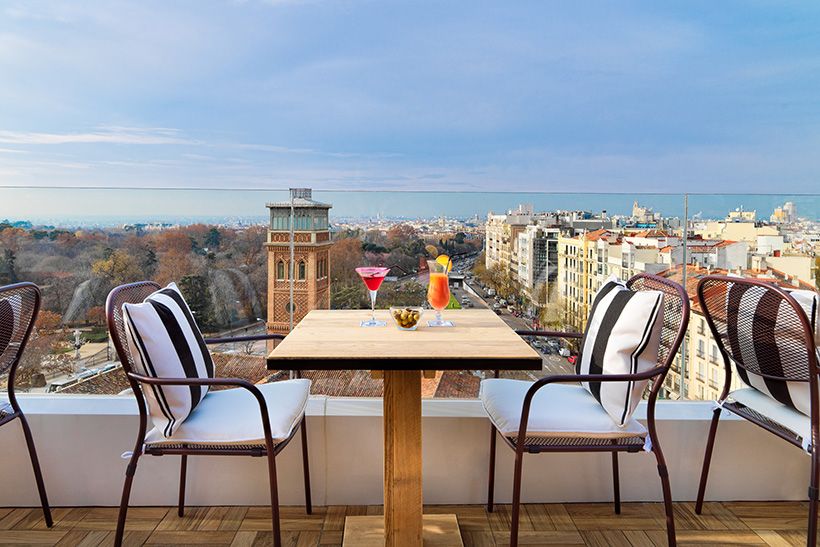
x=109 y=135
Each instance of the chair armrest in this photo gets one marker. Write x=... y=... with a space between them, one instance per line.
x=237 y=382
x=249 y=338
x=550 y=333
x=573 y=378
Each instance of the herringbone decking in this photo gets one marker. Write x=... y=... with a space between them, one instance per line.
x=640 y=524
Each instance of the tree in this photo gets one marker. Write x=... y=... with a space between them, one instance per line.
x=174 y=241
x=172 y=266
x=96 y=315
x=195 y=290
x=348 y=296
x=8 y=272
x=45 y=340
x=250 y=243
x=399 y=235
x=345 y=256
x=213 y=239
x=118 y=268
x=48 y=321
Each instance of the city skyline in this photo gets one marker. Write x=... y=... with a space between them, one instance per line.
x=110 y=207
x=354 y=94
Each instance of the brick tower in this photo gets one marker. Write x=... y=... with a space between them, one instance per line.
x=311 y=261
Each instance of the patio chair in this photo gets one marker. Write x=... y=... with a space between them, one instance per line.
x=19 y=306
x=766 y=332
x=549 y=415
x=269 y=414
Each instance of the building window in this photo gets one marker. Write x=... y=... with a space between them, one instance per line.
x=281 y=271
x=301 y=273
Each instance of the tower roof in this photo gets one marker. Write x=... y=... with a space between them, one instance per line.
x=299 y=203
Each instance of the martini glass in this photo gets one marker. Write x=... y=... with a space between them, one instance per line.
x=438 y=291
x=372 y=277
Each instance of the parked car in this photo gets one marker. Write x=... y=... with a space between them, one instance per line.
x=564 y=352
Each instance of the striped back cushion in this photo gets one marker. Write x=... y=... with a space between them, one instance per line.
x=165 y=342
x=765 y=338
x=623 y=336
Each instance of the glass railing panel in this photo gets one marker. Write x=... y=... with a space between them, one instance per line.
x=536 y=259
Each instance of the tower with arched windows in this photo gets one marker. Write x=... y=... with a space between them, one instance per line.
x=311 y=264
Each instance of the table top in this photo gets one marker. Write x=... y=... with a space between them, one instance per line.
x=333 y=340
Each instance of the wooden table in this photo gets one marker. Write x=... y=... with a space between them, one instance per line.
x=333 y=340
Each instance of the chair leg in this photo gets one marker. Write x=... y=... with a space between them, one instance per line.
x=306 y=467
x=667 y=493
x=616 y=483
x=491 y=480
x=707 y=461
x=516 y=500
x=811 y=534
x=38 y=474
x=274 y=499
x=183 y=468
x=126 y=495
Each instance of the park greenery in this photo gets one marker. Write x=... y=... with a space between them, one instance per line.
x=222 y=271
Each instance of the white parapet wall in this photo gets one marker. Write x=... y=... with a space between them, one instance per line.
x=80 y=440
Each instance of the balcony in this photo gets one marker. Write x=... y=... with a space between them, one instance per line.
x=83 y=423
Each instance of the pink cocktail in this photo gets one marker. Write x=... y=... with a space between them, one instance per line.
x=372 y=277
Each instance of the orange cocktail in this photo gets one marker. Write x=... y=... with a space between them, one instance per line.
x=438 y=290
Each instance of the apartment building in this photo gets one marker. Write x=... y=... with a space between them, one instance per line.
x=582 y=267
x=537 y=259
x=501 y=237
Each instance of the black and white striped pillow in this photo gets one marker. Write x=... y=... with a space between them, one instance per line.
x=774 y=345
x=623 y=336
x=165 y=342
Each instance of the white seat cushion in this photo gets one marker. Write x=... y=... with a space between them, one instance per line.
x=232 y=416
x=557 y=410
x=775 y=411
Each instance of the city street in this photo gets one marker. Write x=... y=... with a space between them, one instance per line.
x=552 y=364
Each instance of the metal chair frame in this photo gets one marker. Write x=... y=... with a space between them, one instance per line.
x=17 y=412
x=754 y=417
x=270 y=449
x=521 y=445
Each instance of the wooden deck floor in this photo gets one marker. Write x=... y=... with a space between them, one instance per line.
x=640 y=524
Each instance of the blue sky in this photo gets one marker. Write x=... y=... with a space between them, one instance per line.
x=366 y=94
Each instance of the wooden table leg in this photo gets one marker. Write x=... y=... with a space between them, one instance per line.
x=402 y=458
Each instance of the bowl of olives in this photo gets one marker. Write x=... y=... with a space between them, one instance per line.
x=406 y=317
